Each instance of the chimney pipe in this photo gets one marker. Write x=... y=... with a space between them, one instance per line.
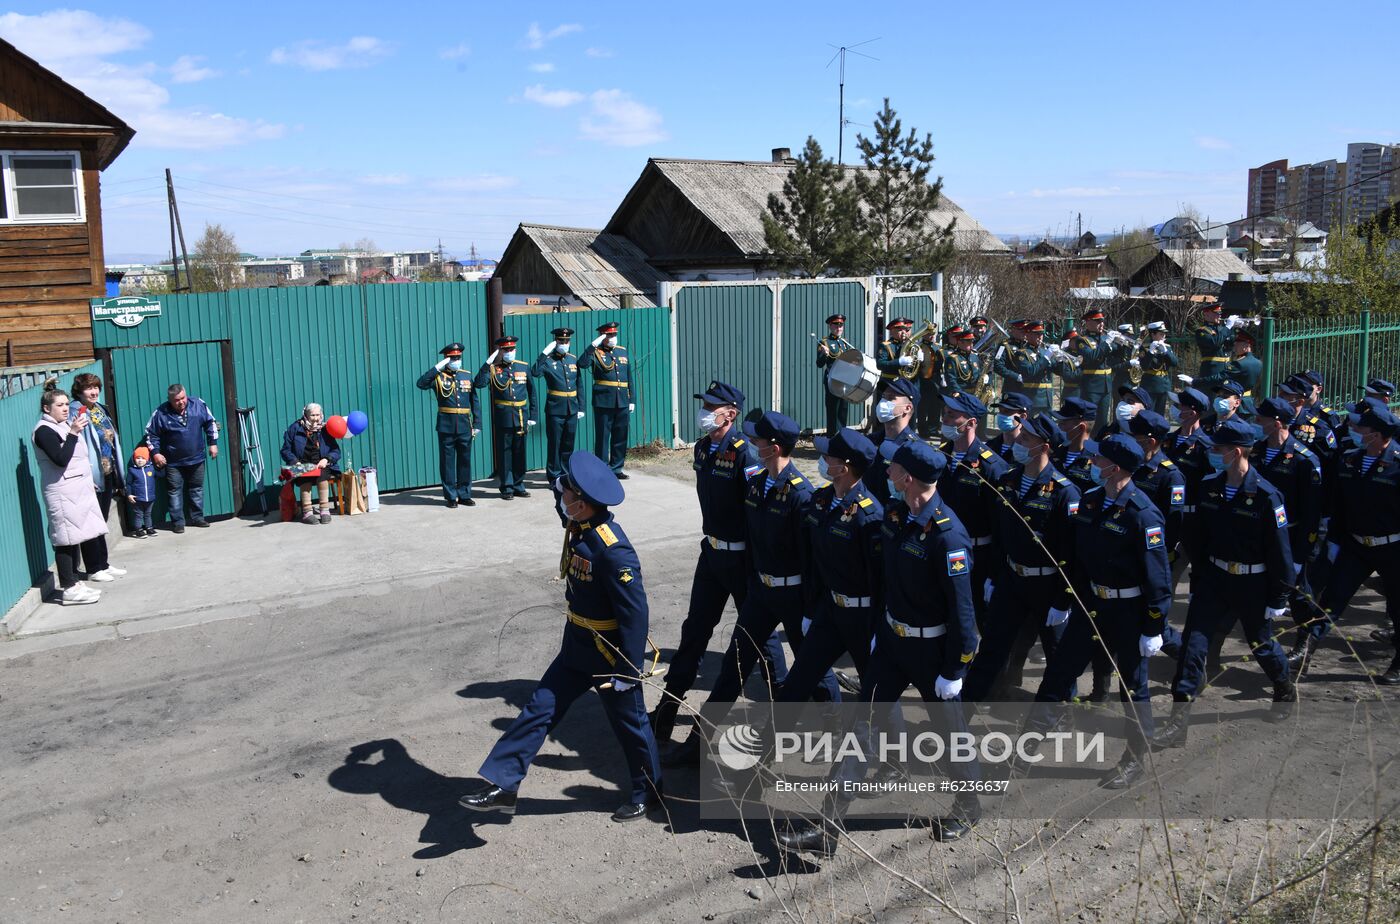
x=782 y=155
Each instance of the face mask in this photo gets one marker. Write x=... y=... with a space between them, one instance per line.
x=1173 y=415
x=508 y=356
x=1021 y=454
x=561 y=348
x=894 y=489
x=454 y=364
x=612 y=342
x=1217 y=461
x=1222 y=406
x=884 y=411
x=1096 y=474
x=951 y=431
x=1006 y=422
x=706 y=421
x=768 y=452
x=1124 y=412
x=1354 y=437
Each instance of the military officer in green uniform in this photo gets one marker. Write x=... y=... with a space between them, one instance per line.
x=1098 y=352
x=828 y=348
x=613 y=403
x=562 y=406
x=962 y=369
x=459 y=410
x=1214 y=339
x=1244 y=367
x=1026 y=365
x=512 y=412
x=1157 y=360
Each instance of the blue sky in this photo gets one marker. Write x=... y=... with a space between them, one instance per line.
x=410 y=122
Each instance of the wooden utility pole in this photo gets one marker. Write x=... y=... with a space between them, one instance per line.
x=176 y=228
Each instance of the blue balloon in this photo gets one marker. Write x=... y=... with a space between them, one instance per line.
x=358 y=421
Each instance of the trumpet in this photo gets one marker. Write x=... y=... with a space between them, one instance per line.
x=913 y=347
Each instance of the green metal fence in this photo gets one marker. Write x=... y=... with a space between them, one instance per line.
x=723 y=331
x=803 y=310
x=1348 y=350
x=27 y=552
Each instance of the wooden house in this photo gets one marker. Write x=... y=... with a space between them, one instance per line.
x=588 y=267
x=54 y=142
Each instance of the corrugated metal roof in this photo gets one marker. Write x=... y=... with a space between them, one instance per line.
x=734 y=196
x=598 y=268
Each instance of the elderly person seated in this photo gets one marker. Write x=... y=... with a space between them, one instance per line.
x=310 y=454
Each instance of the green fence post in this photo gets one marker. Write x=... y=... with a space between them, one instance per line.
x=1365 y=344
x=1266 y=333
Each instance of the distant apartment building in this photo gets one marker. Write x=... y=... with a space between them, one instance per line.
x=1268 y=188
x=1371 y=179
x=272 y=272
x=1314 y=192
x=1324 y=192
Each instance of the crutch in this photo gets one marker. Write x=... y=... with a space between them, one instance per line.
x=252 y=451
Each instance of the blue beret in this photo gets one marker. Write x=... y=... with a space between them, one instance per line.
x=902 y=388
x=965 y=403
x=1138 y=394
x=1042 y=426
x=1311 y=376
x=1380 y=388
x=1232 y=432
x=591 y=477
x=1148 y=422
x=1277 y=408
x=1014 y=401
x=1077 y=409
x=1295 y=385
x=920 y=460
x=1230 y=387
x=774 y=426
x=1375 y=419
x=1122 y=450
x=1192 y=398
x=722 y=393
x=849 y=445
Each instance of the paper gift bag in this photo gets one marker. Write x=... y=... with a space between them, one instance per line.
x=352 y=494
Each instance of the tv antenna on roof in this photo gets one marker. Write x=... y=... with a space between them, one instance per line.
x=841 y=53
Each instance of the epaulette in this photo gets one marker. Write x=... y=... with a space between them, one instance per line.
x=1304 y=450
x=606 y=534
x=738 y=443
x=796 y=479
x=1061 y=480
x=987 y=454
x=1167 y=463
x=864 y=502
x=943 y=523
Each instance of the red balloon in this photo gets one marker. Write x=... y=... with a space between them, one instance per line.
x=337 y=426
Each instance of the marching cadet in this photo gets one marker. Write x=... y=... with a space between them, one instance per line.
x=1189 y=447
x=1119 y=563
x=613 y=401
x=1165 y=485
x=512 y=412
x=927 y=638
x=1307 y=427
x=962 y=371
x=1157 y=360
x=968 y=487
x=1213 y=340
x=888 y=359
x=1026 y=367
x=459 y=409
x=895 y=412
x=1072 y=457
x=1098 y=352
x=773 y=510
x=1029 y=595
x=1241 y=570
x=1012 y=409
x=828 y=348
x=1245 y=368
x=604 y=648
x=1125 y=357
x=1317 y=405
x=1130 y=401
x=563 y=408
x=1228 y=403
x=1364 y=538
x=724 y=461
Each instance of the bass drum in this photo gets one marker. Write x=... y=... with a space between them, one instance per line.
x=854 y=377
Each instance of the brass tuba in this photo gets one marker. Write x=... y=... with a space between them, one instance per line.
x=911 y=349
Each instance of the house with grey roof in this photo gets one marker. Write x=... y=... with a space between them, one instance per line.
x=584 y=267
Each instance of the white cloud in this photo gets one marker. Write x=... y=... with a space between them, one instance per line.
x=542 y=67
x=599 y=52
x=554 y=99
x=536 y=38
x=385 y=179
x=76 y=44
x=485 y=182
x=314 y=55
x=186 y=69
x=618 y=119
x=1211 y=143
x=456 y=51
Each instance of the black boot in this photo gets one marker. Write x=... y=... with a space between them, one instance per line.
x=1391 y=677
x=663 y=718
x=1173 y=732
x=685 y=754
x=1128 y=772
x=1285 y=698
x=1102 y=682
x=489 y=799
x=960 y=821
x=1019 y=768
x=632 y=811
x=809 y=837
x=1302 y=652
x=1383 y=635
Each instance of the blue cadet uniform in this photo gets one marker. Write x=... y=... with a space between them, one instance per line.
x=828 y=348
x=1130 y=401
x=1026 y=368
x=613 y=400
x=604 y=647
x=1027 y=582
x=562 y=405
x=1076 y=464
x=1307 y=426
x=842 y=570
x=887 y=359
x=1119 y=566
x=722 y=469
x=1297 y=473
x=1097 y=357
x=968 y=486
x=876 y=480
x=512 y=412
x=1365 y=530
x=1333 y=417
x=1159 y=363
x=1159 y=478
x=1241 y=569
x=1012 y=405
x=1215 y=342
x=458 y=420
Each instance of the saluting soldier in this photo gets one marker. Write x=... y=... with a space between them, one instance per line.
x=1158 y=361
x=1012 y=409
x=563 y=408
x=926 y=638
x=613 y=401
x=604 y=648
x=1026 y=367
x=459 y=410
x=1098 y=353
x=512 y=412
x=968 y=486
x=828 y=348
x=1029 y=594
x=1364 y=538
x=1241 y=570
x=895 y=413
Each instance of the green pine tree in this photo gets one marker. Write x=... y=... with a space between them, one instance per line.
x=816 y=225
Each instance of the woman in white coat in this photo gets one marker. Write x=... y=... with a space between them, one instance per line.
x=76 y=525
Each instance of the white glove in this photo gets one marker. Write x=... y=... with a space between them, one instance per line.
x=548 y=348
x=1332 y=550
x=580 y=415
x=598 y=341
x=442 y=364
x=631 y=408
x=946 y=689
x=1234 y=321
x=1158 y=346
x=906 y=360
x=1149 y=645
x=476 y=433
x=1056 y=617
x=987 y=587
x=1015 y=375
x=919 y=358
x=622 y=686
x=986 y=379
x=806 y=625
x=492 y=358
x=1135 y=363
x=529 y=423
x=1271 y=612
x=1185 y=378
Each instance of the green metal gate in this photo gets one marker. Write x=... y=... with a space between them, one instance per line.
x=803 y=308
x=1349 y=351
x=723 y=331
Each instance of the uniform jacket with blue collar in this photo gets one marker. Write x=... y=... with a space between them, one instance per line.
x=612 y=376
x=1120 y=544
x=721 y=483
x=512 y=393
x=1079 y=472
x=1297 y=473
x=459 y=406
x=843 y=544
x=1165 y=486
x=604 y=584
x=141 y=482
x=1250 y=529
x=928 y=578
x=560 y=374
x=876 y=477
x=1035 y=522
x=774 y=522
x=1192 y=458
x=1367 y=504
x=969 y=488
x=182 y=438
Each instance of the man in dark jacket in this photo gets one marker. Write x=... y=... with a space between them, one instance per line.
x=177 y=434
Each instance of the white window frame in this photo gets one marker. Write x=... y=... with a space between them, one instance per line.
x=7 y=188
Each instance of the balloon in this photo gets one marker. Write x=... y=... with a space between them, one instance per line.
x=358 y=421
x=337 y=427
